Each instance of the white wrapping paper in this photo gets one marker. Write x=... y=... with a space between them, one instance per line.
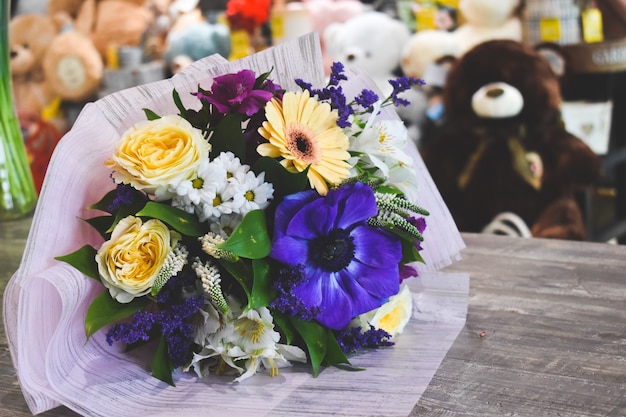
x=46 y=300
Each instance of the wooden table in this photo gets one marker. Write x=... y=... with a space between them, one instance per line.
x=545 y=332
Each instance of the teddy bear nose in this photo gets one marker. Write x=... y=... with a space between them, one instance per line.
x=350 y=57
x=13 y=54
x=495 y=92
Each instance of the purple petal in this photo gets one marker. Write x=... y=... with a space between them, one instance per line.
x=380 y=283
x=313 y=220
x=254 y=102
x=357 y=204
x=289 y=250
x=336 y=305
x=375 y=247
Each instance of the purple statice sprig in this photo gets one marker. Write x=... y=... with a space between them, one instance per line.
x=354 y=339
x=363 y=102
x=400 y=85
x=172 y=319
x=286 y=301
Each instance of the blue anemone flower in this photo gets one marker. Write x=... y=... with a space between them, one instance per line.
x=349 y=267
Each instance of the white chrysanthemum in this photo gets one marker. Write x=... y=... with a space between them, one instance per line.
x=253 y=192
x=201 y=188
x=221 y=204
x=230 y=163
x=226 y=225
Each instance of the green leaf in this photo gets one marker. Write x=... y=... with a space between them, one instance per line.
x=105 y=310
x=161 y=366
x=316 y=340
x=334 y=354
x=84 y=260
x=150 y=115
x=180 y=220
x=263 y=291
x=410 y=252
x=228 y=136
x=286 y=327
x=179 y=103
x=250 y=239
x=104 y=202
x=240 y=271
x=261 y=79
x=284 y=182
x=102 y=224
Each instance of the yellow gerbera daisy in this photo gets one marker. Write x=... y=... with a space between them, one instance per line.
x=304 y=133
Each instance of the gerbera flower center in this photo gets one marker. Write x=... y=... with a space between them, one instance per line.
x=302 y=144
x=333 y=252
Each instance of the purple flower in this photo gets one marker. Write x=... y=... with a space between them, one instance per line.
x=236 y=93
x=349 y=267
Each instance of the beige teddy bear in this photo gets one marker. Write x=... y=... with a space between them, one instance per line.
x=30 y=37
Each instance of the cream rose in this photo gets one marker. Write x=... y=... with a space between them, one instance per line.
x=392 y=316
x=130 y=261
x=156 y=155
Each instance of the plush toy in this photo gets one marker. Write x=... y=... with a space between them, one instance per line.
x=503 y=147
x=484 y=20
x=198 y=40
x=323 y=13
x=110 y=23
x=487 y=19
x=372 y=41
x=30 y=36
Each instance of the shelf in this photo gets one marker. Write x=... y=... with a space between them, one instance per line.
x=604 y=57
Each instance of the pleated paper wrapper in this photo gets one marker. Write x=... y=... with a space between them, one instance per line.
x=46 y=300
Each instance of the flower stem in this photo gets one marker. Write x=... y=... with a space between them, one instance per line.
x=17 y=190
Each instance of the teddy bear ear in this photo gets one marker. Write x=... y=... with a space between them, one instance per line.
x=556 y=57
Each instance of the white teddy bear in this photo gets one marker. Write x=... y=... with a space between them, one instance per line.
x=484 y=20
x=372 y=41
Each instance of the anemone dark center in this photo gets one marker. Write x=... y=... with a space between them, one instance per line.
x=334 y=251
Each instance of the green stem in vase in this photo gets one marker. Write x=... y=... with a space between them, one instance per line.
x=17 y=190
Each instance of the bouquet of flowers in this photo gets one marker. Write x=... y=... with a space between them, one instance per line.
x=262 y=227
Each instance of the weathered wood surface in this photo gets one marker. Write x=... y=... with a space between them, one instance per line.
x=553 y=315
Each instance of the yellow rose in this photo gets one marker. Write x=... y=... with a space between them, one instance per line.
x=392 y=316
x=156 y=155
x=130 y=261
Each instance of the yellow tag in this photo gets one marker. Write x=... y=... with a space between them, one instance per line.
x=550 y=29
x=240 y=44
x=425 y=18
x=52 y=110
x=113 y=61
x=277 y=26
x=449 y=3
x=592 y=26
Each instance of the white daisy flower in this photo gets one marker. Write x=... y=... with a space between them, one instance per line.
x=230 y=163
x=226 y=224
x=253 y=192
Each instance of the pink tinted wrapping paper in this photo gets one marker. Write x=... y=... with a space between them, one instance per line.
x=46 y=300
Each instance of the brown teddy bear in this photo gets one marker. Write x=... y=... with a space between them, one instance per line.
x=503 y=147
x=30 y=37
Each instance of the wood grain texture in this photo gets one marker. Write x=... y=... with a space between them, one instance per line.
x=553 y=315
